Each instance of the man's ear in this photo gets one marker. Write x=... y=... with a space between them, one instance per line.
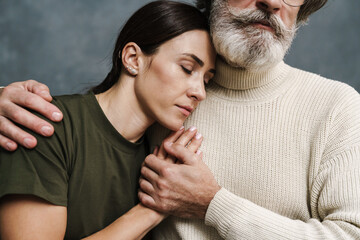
x=130 y=57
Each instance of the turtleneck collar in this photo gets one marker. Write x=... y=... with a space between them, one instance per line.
x=246 y=86
x=238 y=79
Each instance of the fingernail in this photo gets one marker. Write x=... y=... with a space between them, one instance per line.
x=45 y=93
x=198 y=152
x=10 y=146
x=46 y=130
x=28 y=142
x=169 y=143
x=56 y=116
x=192 y=129
x=182 y=127
x=198 y=136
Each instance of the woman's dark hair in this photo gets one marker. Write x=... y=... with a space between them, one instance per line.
x=309 y=7
x=149 y=27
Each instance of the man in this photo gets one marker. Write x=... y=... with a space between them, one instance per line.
x=283 y=144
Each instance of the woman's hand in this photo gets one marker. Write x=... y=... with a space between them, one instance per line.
x=190 y=139
x=13 y=101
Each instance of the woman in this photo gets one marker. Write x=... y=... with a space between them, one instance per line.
x=83 y=180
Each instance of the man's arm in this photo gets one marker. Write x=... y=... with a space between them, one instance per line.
x=13 y=99
x=190 y=191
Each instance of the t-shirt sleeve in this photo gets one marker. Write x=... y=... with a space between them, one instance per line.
x=42 y=171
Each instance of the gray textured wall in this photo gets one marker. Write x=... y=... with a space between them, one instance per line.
x=67 y=44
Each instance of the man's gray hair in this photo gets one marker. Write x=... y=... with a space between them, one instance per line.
x=309 y=7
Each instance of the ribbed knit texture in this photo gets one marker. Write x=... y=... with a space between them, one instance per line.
x=285 y=147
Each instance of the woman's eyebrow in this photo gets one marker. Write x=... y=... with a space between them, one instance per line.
x=198 y=60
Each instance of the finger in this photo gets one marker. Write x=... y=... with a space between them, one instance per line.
x=26 y=119
x=149 y=174
x=195 y=143
x=7 y=144
x=39 y=89
x=156 y=150
x=181 y=153
x=170 y=159
x=16 y=95
x=146 y=199
x=10 y=130
x=153 y=167
x=171 y=138
x=161 y=153
x=200 y=154
x=146 y=186
x=186 y=137
x=39 y=105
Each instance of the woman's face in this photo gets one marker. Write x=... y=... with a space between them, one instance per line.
x=173 y=83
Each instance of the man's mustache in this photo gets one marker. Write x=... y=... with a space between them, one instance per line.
x=248 y=17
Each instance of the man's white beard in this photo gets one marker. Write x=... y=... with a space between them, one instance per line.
x=243 y=45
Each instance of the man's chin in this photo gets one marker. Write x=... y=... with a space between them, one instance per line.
x=252 y=49
x=254 y=66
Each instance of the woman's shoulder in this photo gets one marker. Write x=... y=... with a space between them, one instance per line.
x=77 y=108
x=74 y=102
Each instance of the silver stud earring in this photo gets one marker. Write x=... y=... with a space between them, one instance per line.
x=131 y=70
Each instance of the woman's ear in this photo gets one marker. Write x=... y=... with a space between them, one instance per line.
x=131 y=58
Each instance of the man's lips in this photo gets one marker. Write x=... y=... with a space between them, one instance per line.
x=186 y=110
x=264 y=24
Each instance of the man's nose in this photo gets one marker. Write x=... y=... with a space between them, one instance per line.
x=272 y=6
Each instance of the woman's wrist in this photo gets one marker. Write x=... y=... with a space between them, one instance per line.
x=154 y=216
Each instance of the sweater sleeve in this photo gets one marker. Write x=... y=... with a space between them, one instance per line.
x=334 y=193
x=238 y=218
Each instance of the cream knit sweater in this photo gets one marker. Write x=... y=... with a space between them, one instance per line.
x=285 y=147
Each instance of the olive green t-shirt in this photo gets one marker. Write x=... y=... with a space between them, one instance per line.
x=86 y=166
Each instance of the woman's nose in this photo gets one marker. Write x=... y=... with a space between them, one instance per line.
x=197 y=91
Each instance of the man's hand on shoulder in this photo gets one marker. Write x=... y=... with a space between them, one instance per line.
x=13 y=99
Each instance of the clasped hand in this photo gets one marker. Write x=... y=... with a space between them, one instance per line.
x=174 y=179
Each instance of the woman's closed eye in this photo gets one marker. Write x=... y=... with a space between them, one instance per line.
x=186 y=69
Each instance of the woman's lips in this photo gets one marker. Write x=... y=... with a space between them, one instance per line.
x=186 y=110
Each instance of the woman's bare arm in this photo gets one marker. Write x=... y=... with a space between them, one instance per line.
x=28 y=217
x=13 y=101
x=134 y=224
